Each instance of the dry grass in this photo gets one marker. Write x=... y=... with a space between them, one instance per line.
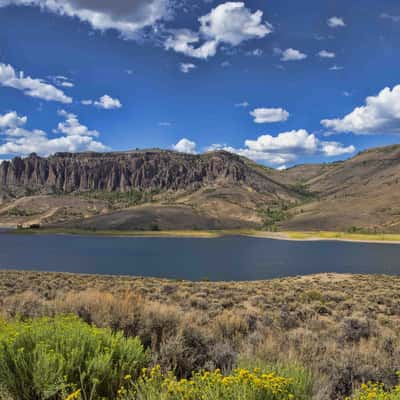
x=344 y=328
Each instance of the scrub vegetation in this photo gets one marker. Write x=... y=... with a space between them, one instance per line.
x=90 y=337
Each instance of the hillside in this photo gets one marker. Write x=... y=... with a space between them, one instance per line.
x=156 y=189
x=362 y=192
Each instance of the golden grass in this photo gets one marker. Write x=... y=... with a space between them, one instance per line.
x=282 y=235
x=84 y=232
x=365 y=237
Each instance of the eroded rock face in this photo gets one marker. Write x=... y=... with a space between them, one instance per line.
x=141 y=170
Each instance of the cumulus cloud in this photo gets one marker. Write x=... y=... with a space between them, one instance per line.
x=29 y=86
x=229 y=23
x=291 y=54
x=268 y=115
x=287 y=147
x=326 y=54
x=183 y=41
x=126 y=17
x=106 y=102
x=336 y=22
x=185 y=146
x=380 y=114
x=17 y=140
x=11 y=120
x=72 y=127
x=186 y=67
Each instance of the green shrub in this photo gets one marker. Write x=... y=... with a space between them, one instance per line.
x=241 y=384
x=47 y=358
x=301 y=378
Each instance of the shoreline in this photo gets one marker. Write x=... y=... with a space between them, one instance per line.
x=295 y=236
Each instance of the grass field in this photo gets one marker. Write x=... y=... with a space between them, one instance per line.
x=282 y=235
x=366 y=237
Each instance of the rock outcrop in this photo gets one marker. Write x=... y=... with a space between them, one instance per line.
x=141 y=170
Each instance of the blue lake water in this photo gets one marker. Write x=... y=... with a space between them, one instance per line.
x=225 y=258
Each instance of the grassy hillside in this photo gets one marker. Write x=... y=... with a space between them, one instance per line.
x=361 y=193
x=334 y=331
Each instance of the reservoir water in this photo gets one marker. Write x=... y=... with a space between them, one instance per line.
x=226 y=258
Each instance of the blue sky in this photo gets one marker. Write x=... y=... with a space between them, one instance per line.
x=282 y=82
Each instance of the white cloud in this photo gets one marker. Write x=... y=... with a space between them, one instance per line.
x=336 y=22
x=61 y=80
x=106 y=102
x=393 y=18
x=126 y=17
x=268 y=115
x=255 y=53
x=233 y=23
x=186 y=67
x=72 y=127
x=182 y=41
x=243 y=104
x=165 y=123
x=287 y=147
x=20 y=141
x=291 y=55
x=334 y=149
x=336 y=68
x=31 y=87
x=11 y=120
x=326 y=54
x=229 y=23
x=185 y=146
x=67 y=84
x=380 y=114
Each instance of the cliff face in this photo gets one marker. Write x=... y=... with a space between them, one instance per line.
x=142 y=170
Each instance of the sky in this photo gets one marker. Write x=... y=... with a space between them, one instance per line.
x=282 y=82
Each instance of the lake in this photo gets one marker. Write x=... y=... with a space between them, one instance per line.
x=224 y=258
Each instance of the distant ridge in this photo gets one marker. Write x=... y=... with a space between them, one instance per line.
x=163 y=189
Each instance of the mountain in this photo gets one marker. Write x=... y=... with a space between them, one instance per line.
x=151 y=189
x=159 y=189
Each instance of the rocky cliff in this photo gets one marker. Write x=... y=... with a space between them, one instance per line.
x=141 y=170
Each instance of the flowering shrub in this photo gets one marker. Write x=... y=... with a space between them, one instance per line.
x=63 y=358
x=241 y=384
x=376 y=391
x=50 y=358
